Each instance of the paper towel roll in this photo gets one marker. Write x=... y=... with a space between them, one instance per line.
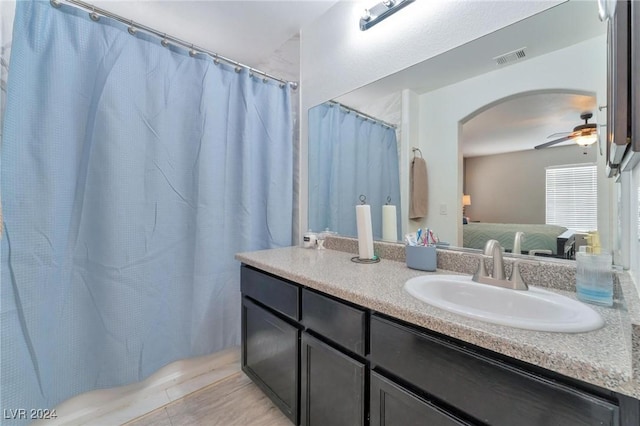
x=365 y=232
x=389 y=223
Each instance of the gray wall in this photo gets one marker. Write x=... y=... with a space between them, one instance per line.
x=510 y=188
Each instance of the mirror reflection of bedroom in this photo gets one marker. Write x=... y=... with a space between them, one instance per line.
x=532 y=151
x=530 y=173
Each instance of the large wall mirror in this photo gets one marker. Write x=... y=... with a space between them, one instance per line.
x=476 y=115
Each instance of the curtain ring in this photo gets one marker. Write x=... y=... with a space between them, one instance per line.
x=132 y=29
x=94 y=16
x=164 y=42
x=192 y=52
x=55 y=3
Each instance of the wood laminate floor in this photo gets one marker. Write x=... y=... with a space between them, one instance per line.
x=234 y=401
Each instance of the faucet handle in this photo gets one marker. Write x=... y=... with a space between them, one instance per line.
x=516 y=279
x=481 y=271
x=493 y=249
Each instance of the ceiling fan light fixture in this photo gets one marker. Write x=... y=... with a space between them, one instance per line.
x=584 y=134
x=586 y=140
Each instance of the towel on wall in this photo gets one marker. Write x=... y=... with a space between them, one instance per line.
x=418 y=189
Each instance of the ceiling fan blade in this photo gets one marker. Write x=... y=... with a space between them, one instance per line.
x=555 y=135
x=547 y=144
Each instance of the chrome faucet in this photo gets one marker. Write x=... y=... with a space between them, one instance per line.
x=492 y=248
x=517 y=243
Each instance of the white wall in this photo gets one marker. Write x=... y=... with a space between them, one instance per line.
x=581 y=67
x=410 y=139
x=336 y=57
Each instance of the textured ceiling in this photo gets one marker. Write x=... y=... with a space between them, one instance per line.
x=524 y=122
x=245 y=31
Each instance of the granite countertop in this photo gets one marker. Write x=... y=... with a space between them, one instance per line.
x=602 y=357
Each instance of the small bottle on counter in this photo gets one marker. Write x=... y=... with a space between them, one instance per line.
x=309 y=239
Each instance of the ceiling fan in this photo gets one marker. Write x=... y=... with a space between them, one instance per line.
x=583 y=134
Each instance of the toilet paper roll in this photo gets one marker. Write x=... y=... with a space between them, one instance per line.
x=389 y=223
x=365 y=232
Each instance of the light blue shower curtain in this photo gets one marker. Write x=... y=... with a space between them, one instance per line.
x=131 y=174
x=350 y=156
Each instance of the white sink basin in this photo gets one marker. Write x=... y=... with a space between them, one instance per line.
x=535 y=309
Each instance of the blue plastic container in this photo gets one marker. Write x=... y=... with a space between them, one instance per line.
x=423 y=258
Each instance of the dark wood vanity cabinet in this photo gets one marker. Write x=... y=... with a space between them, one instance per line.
x=270 y=348
x=393 y=405
x=304 y=350
x=338 y=322
x=328 y=362
x=484 y=389
x=270 y=337
x=332 y=386
x=333 y=370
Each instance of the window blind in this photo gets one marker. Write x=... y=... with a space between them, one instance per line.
x=572 y=197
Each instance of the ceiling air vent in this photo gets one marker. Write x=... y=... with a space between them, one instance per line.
x=510 y=57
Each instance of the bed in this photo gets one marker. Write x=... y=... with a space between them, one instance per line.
x=550 y=240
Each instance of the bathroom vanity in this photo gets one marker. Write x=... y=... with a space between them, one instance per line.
x=332 y=342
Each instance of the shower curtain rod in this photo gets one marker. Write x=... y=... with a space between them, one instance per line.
x=363 y=115
x=96 y=12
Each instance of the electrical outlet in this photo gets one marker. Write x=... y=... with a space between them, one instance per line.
x=443 y=209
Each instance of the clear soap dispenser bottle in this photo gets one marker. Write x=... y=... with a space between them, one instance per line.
x=594 y=274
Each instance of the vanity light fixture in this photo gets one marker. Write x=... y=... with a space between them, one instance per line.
x=380 y=11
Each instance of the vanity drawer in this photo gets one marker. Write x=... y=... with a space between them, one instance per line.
x=343 y=324
x=275 y=293
x=488 y=390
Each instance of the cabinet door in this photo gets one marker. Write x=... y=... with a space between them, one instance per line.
x=270 y=356
x=332 y=386
x=391 y=405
